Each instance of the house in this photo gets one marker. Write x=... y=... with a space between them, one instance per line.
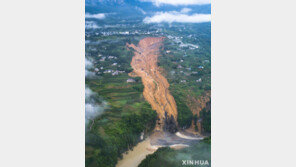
x=103 y=58
x=115 y=73
x=108 y=71
x=130 y=80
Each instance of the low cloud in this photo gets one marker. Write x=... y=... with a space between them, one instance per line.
x=91 y=25
x=88 y=66
x=95 y=16
x=178 y=2
x=92 y=108
x=179 y=17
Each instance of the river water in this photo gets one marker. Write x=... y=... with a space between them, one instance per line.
x=133 y=158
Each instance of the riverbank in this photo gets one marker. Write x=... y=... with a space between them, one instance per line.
x=133 y=158
x=179 y=140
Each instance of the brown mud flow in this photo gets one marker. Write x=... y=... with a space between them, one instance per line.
x=156 y=87
x=197 y=105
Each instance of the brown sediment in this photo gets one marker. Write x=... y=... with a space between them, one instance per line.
x=134 y=157
x=156 y=87
x=197 y=105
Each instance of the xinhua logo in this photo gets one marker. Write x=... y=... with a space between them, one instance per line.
x=204 y=163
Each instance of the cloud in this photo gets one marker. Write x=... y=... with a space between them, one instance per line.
x=178 y=2
x=88 y=66
x=185 y=10
x=91 y=25
x=95 y=16
x=92 y=109
x=179 y=17
x=93 y=105
x=89 y=74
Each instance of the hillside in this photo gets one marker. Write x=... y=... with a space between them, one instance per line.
x=148 y=84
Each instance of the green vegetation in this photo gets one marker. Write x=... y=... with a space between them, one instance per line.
x=187 y=69
x=166 y=156
x=109 y=139
x=119 y=127
x=206 y=121
x=184 y=114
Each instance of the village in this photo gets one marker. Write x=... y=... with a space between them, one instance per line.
x=108 y=65
x=177 y=47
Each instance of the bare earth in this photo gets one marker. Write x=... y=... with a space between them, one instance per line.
x=156 y=86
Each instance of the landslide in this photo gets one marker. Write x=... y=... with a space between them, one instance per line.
x=156 y=87
x=197 y=105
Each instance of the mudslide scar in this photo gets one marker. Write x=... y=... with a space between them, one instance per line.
x=156 y=87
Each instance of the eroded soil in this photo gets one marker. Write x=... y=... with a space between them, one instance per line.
x=156 y=87
x=197 y=105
